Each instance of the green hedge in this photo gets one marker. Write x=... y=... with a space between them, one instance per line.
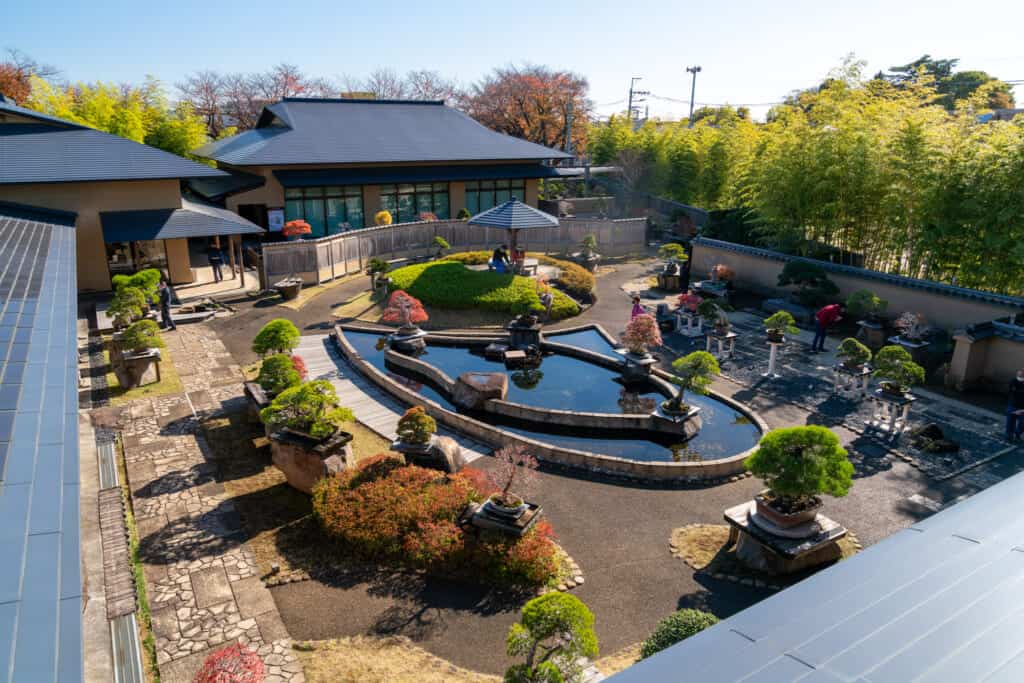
x=449 y=284
x=576 y=279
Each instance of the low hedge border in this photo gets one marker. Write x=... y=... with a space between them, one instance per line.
x=576 y=280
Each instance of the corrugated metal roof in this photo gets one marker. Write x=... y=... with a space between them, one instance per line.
x=340 y=131
x=57 y=151
x=40 y=565
x=216 y=189
x=193 y=219
x=514 y=215
x=410 y=174
x=939 y=601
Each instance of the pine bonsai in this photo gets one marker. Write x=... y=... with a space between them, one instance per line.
x=814 y=287
x=442 y=245
x=693 y=372
x=799 y=463
x=278 y=336
x=277 y=373
x=589 y=245
x=146 y=280
x=128 y=305
x=311 y=407
x=853 y=353
x=416 y=427
x=896 y=368
x=781 y=322
x=463 y=214
x=556 y=632
x=672 y=252
x=865 y=304
x=142 y=335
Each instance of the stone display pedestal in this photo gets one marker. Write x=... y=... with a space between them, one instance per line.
x=670 y=283
x=257 y=399
x=872 y=334
x=764 y=547
x=138 y=368
x=917 y=350
x=410 y=340
x=305 y=460
x=726 y=344
x=520 y=336
x=891 y=412
x=689 y=324
x=636 y=368
x=442 y=453
x=480 y=516
x=851 y=382
x=773 y=352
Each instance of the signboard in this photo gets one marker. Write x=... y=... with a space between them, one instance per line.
x=275 y=220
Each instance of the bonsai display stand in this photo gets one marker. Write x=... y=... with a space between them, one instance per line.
x=670 y=283
x=763 y=547
x=412 y=341
x=891 y=412
x=521 y=336
x=479 y=516
x=710 y=288
x=694 y=324
x=916 y=349
x=726 y=344
x=871 y=333
x=772 y=355
x=304 y=460
x=850 y=383
x=636 y=368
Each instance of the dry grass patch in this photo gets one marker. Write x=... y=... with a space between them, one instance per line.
x=623 y=659
x=363 y=659
x=170 y=383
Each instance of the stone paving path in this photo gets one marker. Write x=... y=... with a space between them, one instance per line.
x=202 y=580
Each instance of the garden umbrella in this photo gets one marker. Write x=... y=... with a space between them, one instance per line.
x=514 y=216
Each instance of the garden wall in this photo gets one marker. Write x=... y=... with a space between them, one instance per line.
x=324 y=259
x=943 y=306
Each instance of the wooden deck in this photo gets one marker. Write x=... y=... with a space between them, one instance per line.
x=372 y=407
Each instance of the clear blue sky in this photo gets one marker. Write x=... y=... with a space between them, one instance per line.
x=750 y=51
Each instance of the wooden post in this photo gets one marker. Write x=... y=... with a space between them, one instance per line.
x=231 y=252
x=241 y=263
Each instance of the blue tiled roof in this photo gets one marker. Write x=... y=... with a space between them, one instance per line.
x=40 y=570
x=514 y=215
x=341 y=131
x=193 y=219
x=51 y=150
x=315 y=177
x=936 y=603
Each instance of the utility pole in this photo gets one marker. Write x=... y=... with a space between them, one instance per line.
x=634 y=92
x=568 y=128
x=693 y=89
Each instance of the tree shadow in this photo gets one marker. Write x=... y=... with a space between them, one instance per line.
x=177 y=481
x=869 y=457
x=194 y=537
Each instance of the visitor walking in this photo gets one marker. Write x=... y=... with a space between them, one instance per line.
x=823 y=319
x=638 y=308
x=216 y=260
x=1015 y=408
x=499 y=260
x=165 y=307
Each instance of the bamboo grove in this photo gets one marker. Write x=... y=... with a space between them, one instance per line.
x=862 y=166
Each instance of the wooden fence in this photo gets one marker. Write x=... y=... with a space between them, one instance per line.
x=327 y=258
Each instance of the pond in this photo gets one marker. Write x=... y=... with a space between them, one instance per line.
x=566 y=383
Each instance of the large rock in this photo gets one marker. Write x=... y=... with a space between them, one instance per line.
x=473 y=389
x=442 y=453
x=304 y=460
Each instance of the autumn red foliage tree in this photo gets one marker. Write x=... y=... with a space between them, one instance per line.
x=16 y=73
x=533 y=103
x=232 y=664
x=405 y=309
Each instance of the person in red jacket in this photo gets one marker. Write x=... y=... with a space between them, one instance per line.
x=825 y=317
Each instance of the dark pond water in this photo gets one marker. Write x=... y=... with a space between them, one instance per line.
x=566 y=383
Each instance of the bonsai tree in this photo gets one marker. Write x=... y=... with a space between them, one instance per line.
x=897 y=369
x=376 y=268
x=416 y=427
x=554 y=634
x=311 y=408
x=714 y=315
x=382 y=217
x=442 y=245
x=405 y=309
x=852 y=353
x=277 y=373
x=296 y=228
x=799 y=463
x=865 y=304
x=142 y=335
x=527 y=308
x=912 y=326
x=672 y=252
x=515 y=467
x=588 y=244
x=278 y=336
x=722 y=273
x=814 y=286
x=427 y=216
x=463 y=214
x=145 y=280
x=233 y=663
x=693 y=372
x=641 y=334
x=690 y=302
x=780 y=323
x=128 y=305
x=676 y=628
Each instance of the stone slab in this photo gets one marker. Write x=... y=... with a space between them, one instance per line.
x=253 y=598
x=211 y=586
x=184 y=670
x=271 y=626
x=165 y=622
x=147 y=526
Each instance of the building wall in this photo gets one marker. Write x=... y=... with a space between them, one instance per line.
x=987 y=363
x=179 y=266
x=88 y=200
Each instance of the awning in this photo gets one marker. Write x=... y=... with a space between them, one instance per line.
x=514 y=215
x=410 y=174
x=215 y=189
x=193 y=219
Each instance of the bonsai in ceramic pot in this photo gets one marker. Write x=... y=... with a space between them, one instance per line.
x=641 y=334
x=139 y=361
x=853 y=355
x=514 y=477
x=589 y=255
x=896 y=369
x=406 y=310
x=867 y=305
x=714 y=316
x=693 y=372
x=913 y=329
x=377 y=269
x=799 y=464
x=277 y=373
x=441 y=245
x=415 y=431
x=778 y=324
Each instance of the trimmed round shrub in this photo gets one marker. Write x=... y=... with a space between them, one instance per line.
x=278 y=373
x=676 y=628
x=416 y=427
x=895 y=364
x=278 y=336
x=142 y=335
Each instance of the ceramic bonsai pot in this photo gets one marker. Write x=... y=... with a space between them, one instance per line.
x=288 y=288
x=786 y=520
x=304 y=460
x=494 y=507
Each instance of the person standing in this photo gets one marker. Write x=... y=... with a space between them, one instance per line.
x=216 y=260
x=1015 y=408
x=823 y=319
x=165 y=307
x=638 y=308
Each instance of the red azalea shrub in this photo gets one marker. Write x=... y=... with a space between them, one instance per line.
x=232 y=664
x=690 y=302
x=642 y=333
x=300 y=367
x=405 y=309
x=433 y=544
x=529 y=560
x=296 y=227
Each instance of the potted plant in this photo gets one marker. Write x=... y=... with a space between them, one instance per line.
x=415 y=431
x=427 y=216
x=798 y=464
x=463 y=214
x=778 y=324
x=306 y=439
x=814 y=287
x=912 y=328
x=382 y=217
x=515 y=469
x=896 y=369
x=641 y=334
x=689 y=302
x=720 y=272
x=527 y=310
x=128 y=305
x=278 y=336
x=589 y=256
x=377 y=270
x=406 y=310
x=714 y=316
x=693 y=372
x=865 y=304
x=441 y=244
x=289 y=287
x=139 y=363
x=853 y=355
x=277 y=373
